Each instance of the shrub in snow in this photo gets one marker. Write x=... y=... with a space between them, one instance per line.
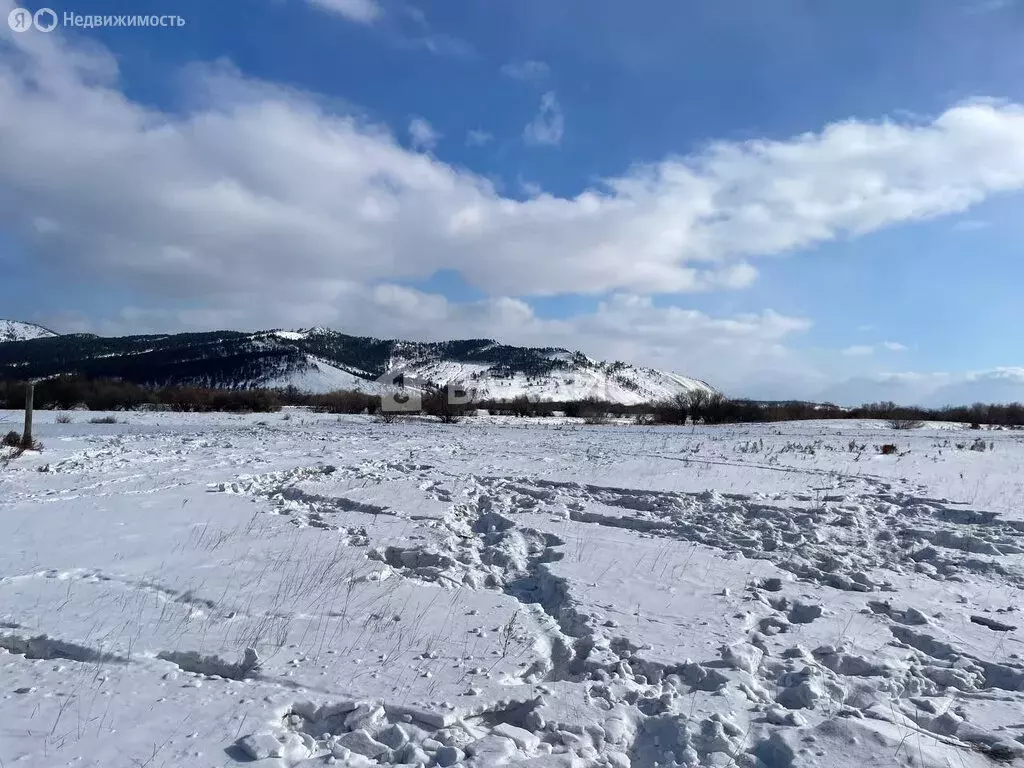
x=14 y=440
x=905 y=424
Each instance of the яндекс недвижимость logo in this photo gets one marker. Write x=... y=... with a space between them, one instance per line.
x=22 y=20
x=46 y=20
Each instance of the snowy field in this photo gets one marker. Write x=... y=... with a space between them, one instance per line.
x=210 y=590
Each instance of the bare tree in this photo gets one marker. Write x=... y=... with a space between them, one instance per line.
x=449 y=403
x=674 y=410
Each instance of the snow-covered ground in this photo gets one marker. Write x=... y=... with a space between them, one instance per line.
x=196 y=590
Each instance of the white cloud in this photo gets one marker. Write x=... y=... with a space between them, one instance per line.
x=996 y=385
x=858 y=350
x=548 y=127
x=933 y=389
x=251 y=205
x=360 y=11
x=863 y=350
x=526 y=70
x=256 y=171
x=422 y=134
x=478 y=138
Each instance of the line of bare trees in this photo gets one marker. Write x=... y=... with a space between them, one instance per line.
x=72 y=392
x=698 y=406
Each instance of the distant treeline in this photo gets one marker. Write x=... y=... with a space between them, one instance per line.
x=1006 y=415
x=715 y=409
x=71 y=392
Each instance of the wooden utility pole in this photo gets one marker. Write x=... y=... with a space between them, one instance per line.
x=26 y=436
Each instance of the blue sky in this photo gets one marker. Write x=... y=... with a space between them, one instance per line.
x=788 y=199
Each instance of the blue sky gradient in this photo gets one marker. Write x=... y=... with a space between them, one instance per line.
x=542 y=101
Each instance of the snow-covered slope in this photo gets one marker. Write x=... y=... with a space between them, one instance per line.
x=580 y=378
x=321 y=360
x=487 y=368
x=13 y=330
x=315 y=376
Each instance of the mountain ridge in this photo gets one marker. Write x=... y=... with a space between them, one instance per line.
x=322 y=360
x=16 y=330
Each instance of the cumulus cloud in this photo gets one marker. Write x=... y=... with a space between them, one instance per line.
x=894 y=346
x=526 y=70
x=422 y=134
x=261 y=205
x=548 y=127
x=258 y=176
x=360 y=11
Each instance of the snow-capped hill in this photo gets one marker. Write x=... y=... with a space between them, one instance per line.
x=548 y=374
x=14 y=330
x=320 y=360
